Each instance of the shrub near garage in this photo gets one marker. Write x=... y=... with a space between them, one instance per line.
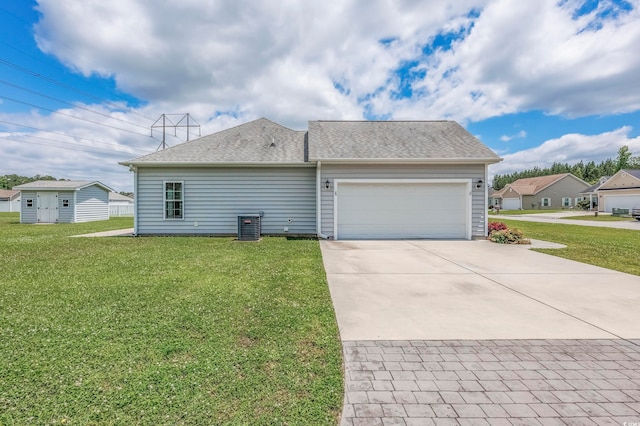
x=501 y=234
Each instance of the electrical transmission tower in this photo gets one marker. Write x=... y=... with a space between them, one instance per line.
x=165 y=121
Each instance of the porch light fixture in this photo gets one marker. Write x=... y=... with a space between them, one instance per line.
x=327 y=184
x=479 y=184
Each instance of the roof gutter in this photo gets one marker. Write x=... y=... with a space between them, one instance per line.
x=205 y=164
x=410 y=160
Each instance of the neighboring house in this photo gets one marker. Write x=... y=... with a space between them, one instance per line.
x=339 y=179
x=52 y=201
x=494 y=201
x=9 y=200
x=591 y=193
x=559 y=191
x=120 y=205
x=620 y=191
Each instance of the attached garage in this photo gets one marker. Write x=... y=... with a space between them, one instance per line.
x=612 y=201
x=511 y=204
x=389 y=209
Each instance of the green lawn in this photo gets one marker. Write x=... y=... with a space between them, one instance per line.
x=611 y=248
x=519 y=212
x=601 y=218
x=163 y=330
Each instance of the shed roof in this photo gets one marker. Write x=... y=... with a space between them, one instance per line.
x=259 y=141
x=8 y=194
x=395 y=140
x=60 y=185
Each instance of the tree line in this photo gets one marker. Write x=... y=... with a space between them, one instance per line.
x=9 y=181
x=589 y=172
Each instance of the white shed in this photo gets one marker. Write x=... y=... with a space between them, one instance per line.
x=51 y=201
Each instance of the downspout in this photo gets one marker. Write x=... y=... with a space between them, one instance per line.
x=319 y=202
x=75 y=204
x=135 y=199
x=486 y=199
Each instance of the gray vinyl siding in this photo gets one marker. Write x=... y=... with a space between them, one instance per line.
x=214 y=197
x=566 y=187
x=405 y=171
x=28 y=214
x=92 y=203
x=65 y=214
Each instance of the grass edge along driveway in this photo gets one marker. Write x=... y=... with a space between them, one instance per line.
x=164 y=330
x=611 y=248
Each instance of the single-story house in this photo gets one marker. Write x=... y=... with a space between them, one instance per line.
x=591 y=193
x=620 y=191
x=558 y=191
x=120 y=205
x=338 y=179
x=116 y=199
x=493 y=201
x=9 y=200
x=63 y=201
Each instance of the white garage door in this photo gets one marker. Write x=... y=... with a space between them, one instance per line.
x=402 y=210
x=511 y=204
x=620 y=202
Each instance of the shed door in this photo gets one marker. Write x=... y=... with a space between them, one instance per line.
x=47 y=207
x=402 y=210
x=621 y=202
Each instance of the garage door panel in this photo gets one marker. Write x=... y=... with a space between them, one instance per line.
x=621 y=202
x=402 y=210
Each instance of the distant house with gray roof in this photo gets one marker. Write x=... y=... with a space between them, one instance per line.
x=9 y=200
x=63 y=201
x=620 y=191
x=338 y=179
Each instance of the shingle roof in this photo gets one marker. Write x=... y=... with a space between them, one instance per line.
x=8 y=194
x=69 y=185
x=402 y=140
x=259 y=141
x=633 y=172
x=114 y=196
x=531 y=186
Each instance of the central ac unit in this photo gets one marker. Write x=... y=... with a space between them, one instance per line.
x=249 y=227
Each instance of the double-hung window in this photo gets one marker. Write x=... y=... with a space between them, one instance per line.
x=174 y=200
x=566 y=201
x=545 y=202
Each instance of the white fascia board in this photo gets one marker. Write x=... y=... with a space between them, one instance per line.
x=409 y=160
x=209 y=164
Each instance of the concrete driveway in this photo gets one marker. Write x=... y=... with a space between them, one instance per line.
x=440 y=290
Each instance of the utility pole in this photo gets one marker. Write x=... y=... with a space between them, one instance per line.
x=180 y=123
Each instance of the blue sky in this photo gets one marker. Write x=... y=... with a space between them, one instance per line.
x=82 y=82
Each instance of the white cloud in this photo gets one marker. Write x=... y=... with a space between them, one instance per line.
x=570 y=148
x=227 y=62
x=506 y=138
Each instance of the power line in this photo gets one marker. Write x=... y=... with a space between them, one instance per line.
x=93 y=151
x=58 y=133
x=35 y=92
x=65 y=86
x=71 y=116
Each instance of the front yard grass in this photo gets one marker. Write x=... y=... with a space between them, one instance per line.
x=601 y=218
x=164 y=330
x=520 y=212
x=610 y=248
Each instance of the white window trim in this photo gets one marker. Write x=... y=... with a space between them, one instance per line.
x=566 y=199
x=542 y=203
x=164 y=199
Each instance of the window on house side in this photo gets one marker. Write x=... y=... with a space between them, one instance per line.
x=566 y=201
x=545 y=202
x=173 y=200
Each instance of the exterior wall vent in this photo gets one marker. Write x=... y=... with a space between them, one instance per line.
x=249 y=227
